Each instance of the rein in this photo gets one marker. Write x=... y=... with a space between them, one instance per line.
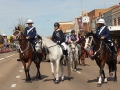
x=98 y=49
x=52 y=46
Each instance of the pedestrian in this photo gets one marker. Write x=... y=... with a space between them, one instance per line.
x=116 y=44
x=67 y=38
x=118 y=56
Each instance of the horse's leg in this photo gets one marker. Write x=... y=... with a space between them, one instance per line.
x=52 y=68
x=27 y=69
x=57 y=71
x=38 y=75
x=69 y=68
x=105 y=78
x=100 y=76
x=115 y=77
x=84 y=59
x=76 y=62
x=62 y=72
x=24 y=64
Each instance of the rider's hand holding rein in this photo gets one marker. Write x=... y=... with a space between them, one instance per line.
x=103 y=37
x=28 y=37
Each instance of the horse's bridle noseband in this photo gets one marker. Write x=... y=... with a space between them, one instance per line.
x=17 y=36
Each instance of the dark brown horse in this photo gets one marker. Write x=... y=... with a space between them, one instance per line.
x=27 y=54
x=102 y=55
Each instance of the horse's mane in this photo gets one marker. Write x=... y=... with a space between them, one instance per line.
x=92 y=34
x=45 y=39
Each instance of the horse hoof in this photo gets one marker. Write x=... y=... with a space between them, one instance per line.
x=99 y=85
x=106 y=82
x=111 y=74
x=74 y=70
x=56 y=81
x=115 y=80
x=62 y=79
x=69 y=79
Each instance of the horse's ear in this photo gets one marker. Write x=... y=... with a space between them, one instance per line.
x=15 y=28
x=91 y=31
x=18 y=28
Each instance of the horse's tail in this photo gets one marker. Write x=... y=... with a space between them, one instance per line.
x=111 y=66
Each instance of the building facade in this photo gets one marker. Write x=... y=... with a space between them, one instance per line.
x=116 y=16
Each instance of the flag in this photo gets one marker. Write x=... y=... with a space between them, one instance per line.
x=79 y=22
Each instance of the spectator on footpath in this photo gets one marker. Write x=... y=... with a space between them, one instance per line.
x=116 y=44
x=118 y=57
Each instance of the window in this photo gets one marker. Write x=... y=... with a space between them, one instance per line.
x=119 y=21
x=115 y=24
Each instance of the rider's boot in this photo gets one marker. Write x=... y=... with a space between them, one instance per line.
x=65 y=52
x=114 y=50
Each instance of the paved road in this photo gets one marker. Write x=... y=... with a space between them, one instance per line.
x=12 y=76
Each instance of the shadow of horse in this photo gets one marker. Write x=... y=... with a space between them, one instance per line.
x=96 y=80
x=65 y=78
x=34 y=78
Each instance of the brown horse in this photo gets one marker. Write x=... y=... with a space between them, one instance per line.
x=102 y=55
x=83 y=54
x=27 y=54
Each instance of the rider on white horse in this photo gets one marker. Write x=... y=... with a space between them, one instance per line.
x=59 y=38
x=30 y=33
x=74 y=38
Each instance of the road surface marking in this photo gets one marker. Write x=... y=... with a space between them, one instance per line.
x=7 y=57
x=21 y=71
x=13 y=85
x=17 y=76
x=78 y=72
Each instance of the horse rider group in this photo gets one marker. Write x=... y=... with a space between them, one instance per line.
x=58 y=36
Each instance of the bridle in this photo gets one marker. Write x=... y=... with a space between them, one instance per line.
x=92 y=40
x=17 y=37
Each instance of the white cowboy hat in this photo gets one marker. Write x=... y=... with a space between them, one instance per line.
x=101 y=21
x=29 y=21
x=4 y=35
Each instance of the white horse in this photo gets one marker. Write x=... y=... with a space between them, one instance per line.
x=74 y=55
x=55 y=56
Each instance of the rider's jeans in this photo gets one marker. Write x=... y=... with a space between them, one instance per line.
x=79 y=47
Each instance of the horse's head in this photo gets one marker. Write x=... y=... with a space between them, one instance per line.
x=38 y=45
x=17 y=34
x=89 y=40
x=73 y=45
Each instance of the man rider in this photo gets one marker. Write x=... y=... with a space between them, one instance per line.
x=59 y=38
x=103 y=33
x=30 y=33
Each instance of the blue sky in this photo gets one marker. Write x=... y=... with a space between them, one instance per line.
x=40 y=11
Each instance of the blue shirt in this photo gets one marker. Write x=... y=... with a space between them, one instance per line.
x=32 y=33
x=105 y=32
